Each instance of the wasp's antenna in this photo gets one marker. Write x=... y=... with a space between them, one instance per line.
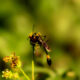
x=33 y=28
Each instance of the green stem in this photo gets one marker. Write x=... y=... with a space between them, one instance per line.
x=32 y=69
x=26 y=76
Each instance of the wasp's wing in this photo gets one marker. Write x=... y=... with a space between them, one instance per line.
x=38 y=50
x=44 y=44
x=45 y=38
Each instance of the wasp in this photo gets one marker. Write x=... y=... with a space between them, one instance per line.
x=36 y=38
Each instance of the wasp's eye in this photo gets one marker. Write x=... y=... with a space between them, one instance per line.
x=30 y=35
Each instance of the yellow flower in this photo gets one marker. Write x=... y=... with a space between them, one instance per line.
x=15 y=75
x=7 y=74
x=7 y=59
x=15 y=65
x=15 y=61
x=71 y=74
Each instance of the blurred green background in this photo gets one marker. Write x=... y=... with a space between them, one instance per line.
x=58 y=19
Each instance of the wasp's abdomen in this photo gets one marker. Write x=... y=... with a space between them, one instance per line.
x=48 y=60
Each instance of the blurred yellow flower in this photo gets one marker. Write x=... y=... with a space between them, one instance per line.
x=7 y=59
x=7 y=74
x=15 y=64
x=14 y=60
x=71 y=74
x=15 y=75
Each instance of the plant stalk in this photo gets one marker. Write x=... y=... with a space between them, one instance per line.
x=32 y=69
x=26 y=76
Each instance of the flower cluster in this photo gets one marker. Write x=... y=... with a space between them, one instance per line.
x=15 y=64
x=14 y=60
x=9 y=74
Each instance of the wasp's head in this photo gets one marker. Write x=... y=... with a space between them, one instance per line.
x=30 y=35
x=34 y=35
